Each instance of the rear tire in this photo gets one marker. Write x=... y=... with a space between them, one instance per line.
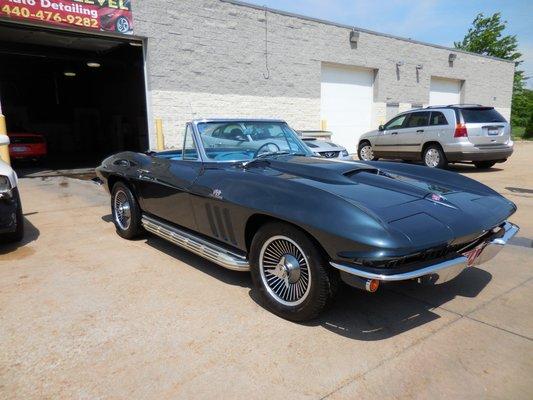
x=18 y=235
x=290 y=273
x=126 y=212
x=365 y=152
x=484 y=164
x=434 y=157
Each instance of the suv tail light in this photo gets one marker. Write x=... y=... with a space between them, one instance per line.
x=460 y=131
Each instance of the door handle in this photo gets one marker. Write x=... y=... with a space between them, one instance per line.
x=420 y=131
x=394 y=133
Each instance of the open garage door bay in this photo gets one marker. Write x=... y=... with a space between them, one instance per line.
x=82 y=95
x=346 y=102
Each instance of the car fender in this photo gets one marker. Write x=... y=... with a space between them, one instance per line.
x=6 y=170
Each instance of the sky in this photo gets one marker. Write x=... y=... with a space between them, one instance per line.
x=434 y=21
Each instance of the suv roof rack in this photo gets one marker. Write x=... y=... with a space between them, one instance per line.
x=456 y=106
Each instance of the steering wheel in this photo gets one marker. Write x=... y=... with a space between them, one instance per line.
x=258 y=151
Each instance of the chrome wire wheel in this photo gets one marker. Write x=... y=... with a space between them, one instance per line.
x=122 y=210
x=285 y=271
x=367 y=154
x=432 y=158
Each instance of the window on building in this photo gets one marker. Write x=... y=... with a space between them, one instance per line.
x=417 y=119
x=189 y=148
x=438 y=118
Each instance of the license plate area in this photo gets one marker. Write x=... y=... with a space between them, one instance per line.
x=473 y=255
x=19 y=149
x=492 y=131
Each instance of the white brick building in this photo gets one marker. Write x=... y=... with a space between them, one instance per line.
x=226 y=58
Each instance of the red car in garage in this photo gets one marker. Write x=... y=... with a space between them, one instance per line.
x=27 y=146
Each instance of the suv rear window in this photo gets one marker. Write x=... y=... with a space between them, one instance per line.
x=480 y=115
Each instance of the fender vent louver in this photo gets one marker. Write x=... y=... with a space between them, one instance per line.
x=220 y=223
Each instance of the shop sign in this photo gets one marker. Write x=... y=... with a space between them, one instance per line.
x=101 y=15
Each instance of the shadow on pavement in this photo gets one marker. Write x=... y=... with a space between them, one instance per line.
x=31 y=233
x=393 y=310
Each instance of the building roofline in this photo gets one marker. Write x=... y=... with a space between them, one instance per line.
x=339 y=25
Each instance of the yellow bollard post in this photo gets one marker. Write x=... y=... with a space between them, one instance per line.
x=159 y=134
x=4 y=150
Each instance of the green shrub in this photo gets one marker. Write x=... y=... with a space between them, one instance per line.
x=528 y=133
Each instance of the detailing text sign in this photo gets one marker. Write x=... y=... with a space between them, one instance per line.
x=102 y=15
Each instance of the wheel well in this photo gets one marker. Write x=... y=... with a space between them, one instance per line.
x=426 y=145
x=256 y=221
x=113 y=179
x=363 y=141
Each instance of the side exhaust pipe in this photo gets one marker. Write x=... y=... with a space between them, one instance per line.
x=367 y=285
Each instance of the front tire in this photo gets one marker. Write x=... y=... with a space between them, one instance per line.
x=365 y=152
x=126 y=212
x=434 y=157
x=485 y=164
x=18 y=235
x=290 y=273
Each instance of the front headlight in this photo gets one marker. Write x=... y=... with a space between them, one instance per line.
x=5 y=184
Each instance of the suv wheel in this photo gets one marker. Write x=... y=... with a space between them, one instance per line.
x=290 y=273
x=365 y=152
x=485 y=164
x=434 y=157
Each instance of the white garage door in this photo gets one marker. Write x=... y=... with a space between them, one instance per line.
x=444 y=91
x=346 y=103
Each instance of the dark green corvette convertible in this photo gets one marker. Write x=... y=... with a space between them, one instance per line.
x=250 y=196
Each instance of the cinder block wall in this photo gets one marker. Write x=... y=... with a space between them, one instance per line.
x=206 y=58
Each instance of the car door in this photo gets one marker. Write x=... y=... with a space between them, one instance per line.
x=410 y=138
x=386 y=141
x=165 y=184
x=438 y=126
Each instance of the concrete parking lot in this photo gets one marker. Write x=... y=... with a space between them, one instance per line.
x=85 y=314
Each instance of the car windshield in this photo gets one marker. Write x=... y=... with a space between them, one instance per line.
x=246 y=140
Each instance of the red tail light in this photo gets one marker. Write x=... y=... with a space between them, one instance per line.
x=460 y=131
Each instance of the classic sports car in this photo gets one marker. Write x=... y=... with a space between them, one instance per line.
x=250 y=196
x=11 y=218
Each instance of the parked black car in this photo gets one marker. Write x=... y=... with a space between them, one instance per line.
x=249 y=195
x=11 y=218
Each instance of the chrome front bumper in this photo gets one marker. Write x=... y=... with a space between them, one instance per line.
x=446 y=270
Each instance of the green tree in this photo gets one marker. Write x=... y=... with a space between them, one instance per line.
x=486 y=36
x=528 y=134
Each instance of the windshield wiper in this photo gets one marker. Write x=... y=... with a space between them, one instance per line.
x=270 y=154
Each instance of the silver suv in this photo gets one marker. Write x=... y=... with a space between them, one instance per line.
x=439 y=135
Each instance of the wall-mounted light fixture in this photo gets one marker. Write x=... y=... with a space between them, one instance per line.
x=70 y=74
x=400 y=64
x=419 y=67
x=94 y=64
x=354 y=36
x=451 y=58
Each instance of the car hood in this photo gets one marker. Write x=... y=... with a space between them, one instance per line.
x=425 y=205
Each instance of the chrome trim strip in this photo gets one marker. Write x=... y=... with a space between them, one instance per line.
x=447 y=269
x=199 y=246
x=432 y=269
